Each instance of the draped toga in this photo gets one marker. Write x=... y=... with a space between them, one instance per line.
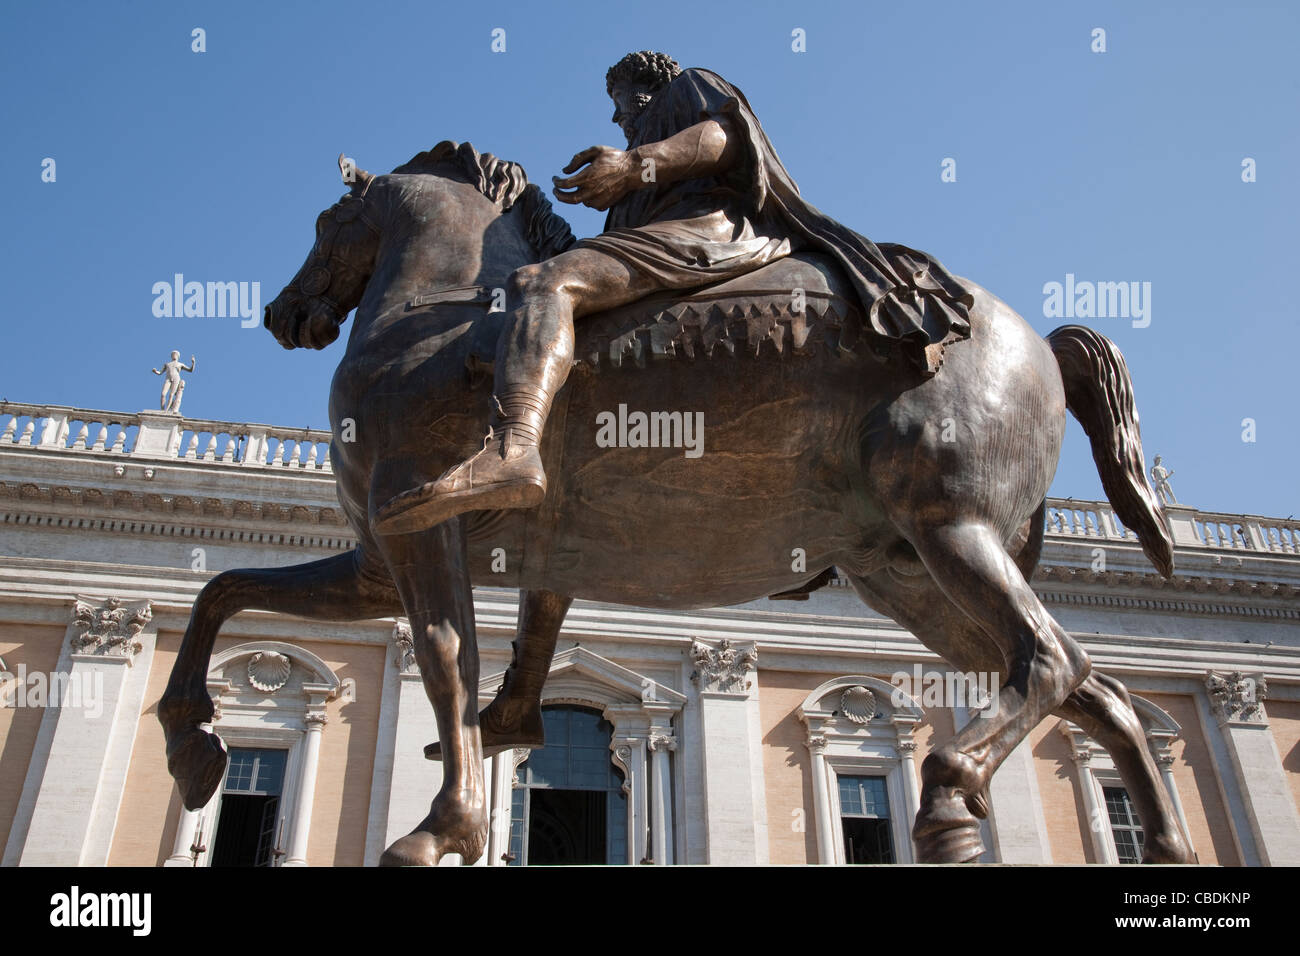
x=696 y=232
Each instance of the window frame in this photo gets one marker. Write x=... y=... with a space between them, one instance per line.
x=286 y=718
x=893 y=795
x=880 y=746
x=1097 y=771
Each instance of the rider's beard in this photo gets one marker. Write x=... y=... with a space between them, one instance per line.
x=641 y=101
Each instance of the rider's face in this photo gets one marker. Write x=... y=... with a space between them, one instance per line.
x=630 y=100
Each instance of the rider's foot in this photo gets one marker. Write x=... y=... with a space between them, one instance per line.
x=505 y=474
x=504 y=726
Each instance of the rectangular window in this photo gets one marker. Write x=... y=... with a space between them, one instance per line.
x=1125 y=826
x=864 y=819
x=249 y=824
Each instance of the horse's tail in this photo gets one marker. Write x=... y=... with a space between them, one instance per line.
x=1099 y=393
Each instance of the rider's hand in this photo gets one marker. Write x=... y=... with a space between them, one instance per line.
x=610 y=175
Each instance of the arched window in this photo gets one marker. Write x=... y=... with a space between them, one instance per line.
x=860 y=741
x=1113 y=823
x=270 y=711
x=570 y=802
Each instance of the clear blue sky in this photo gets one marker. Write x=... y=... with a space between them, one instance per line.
x=1115 y=166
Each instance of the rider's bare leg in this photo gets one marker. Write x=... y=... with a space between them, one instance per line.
x=533 y=361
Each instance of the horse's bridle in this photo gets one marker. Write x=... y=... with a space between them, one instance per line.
x=317 y=275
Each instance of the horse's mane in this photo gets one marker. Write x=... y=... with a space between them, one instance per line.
x=504 y=183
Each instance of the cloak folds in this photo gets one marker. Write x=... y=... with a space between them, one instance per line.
x=909 y=299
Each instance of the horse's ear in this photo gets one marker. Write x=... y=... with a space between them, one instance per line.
x=353 y=175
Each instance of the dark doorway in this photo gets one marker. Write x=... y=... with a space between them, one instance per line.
x=867 y=841
x=566 y=827
x=246 y=830
x=568 y=805
x=250 y=801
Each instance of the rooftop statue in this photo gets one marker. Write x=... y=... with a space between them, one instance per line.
x=173 y=386
x=1161 y=475
x=857 y=403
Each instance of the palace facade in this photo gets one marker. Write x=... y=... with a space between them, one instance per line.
x=774 y=732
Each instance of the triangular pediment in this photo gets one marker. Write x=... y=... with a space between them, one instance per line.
x=580 y=675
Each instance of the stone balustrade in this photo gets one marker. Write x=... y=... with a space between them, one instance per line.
x=1248 y=533
x=1073 y=518
x=162 y=435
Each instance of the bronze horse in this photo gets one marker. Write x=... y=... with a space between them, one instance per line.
x=928 y=494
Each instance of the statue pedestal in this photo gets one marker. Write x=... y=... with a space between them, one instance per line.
x=160 y=435
x=1182 y=526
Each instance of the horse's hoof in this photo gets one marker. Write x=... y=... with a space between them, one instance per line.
x=947 y=831
x=197 y=762
x=414 y=849
x=431 y=841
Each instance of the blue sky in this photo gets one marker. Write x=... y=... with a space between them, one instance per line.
x=1116 y=166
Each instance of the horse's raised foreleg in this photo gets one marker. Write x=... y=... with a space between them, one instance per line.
x=514 y=718
x=1043 y=667
x=332 y=589
x=431 y=571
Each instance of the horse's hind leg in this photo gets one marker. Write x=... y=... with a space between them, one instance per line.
x=1101 y=706
x=430 y=569
x=1043 y=665
x=340 y=588
x=514 y=718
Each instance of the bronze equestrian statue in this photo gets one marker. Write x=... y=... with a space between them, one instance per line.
x=699 y=197
x=831 y=427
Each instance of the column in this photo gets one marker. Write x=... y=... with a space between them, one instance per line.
x=296 y=853
x=1017 y=826
x=735 y=824
x=630 y=754
x=186 y=834
x=1237 y=702
x=661 y=809
x=911 y=792
x=415 y=780
x=70 y=801
x=826 y=834
x=504 y=767
x=381 y=784
x=1097 y=816
x=1160 y=743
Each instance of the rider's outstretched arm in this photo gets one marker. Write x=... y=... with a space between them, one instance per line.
x=704 y=149
x=701 y=150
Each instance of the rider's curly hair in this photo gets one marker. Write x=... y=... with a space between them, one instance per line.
x=655 y=70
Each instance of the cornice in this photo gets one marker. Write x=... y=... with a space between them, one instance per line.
x=1185 y=594
x=220 y=517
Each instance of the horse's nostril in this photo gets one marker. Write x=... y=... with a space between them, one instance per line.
x=266 y=316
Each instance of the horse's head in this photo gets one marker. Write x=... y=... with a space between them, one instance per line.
x=309 y=310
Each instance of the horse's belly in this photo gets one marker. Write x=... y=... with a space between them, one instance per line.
x=693 y=485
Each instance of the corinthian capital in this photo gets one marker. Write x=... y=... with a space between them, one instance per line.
x=405 y=648
x=111 y=629
x=1236 y=696
x=723 y=668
